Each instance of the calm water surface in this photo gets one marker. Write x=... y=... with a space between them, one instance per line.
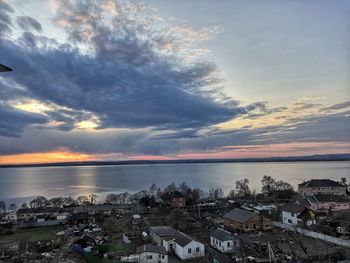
x=18 y=183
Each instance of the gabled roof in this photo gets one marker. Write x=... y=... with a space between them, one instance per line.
x=163 y=231
x=322 y=198
x=293 y=208
x=321 y=183
x=182 y=239
x=169 y=233
x=151 y=248
x=240 y=215
x=221 y=234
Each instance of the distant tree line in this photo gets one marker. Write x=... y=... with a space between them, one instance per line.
x=154 y=195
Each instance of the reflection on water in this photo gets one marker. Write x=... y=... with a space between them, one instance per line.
x=84 y=180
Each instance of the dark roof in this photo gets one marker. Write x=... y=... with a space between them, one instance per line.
x=303 y=201
x=38 y=210
x=321 y=183
x=293 y=208
x=151 y=248
x=163 y=231
x=182 y=239
x=168 y=233
x=240 y=215
x=177 y=194
x=221 y=234
x=79 y=216
x=320 y=198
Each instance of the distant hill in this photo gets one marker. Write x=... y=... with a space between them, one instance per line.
x=310 y=158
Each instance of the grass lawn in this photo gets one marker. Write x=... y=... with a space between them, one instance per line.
x=115 y=247
x=93 y=259
x=33 y=234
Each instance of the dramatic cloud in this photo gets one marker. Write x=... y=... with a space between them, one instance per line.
x=13 y=122
x=126 y=82
x=125 y=68
x=28 y=23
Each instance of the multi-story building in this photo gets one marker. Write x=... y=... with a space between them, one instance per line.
x=321 y=186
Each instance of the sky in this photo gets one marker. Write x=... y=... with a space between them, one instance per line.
x=161 y=79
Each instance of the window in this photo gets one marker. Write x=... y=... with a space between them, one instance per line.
x=290 y=221
x=189 y=251
x=149 y=257
x=246 y=227
x=162 y=256
x=197 y=249
x=219 y=243
x=292 y=214
x=228 y=244
x=254 y=226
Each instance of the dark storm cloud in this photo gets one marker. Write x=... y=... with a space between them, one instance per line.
x=129 y=71
x=5 y=17
x=28 y=23
x=13 y=121
x=130 y=78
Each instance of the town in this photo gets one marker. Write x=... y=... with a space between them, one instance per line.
x=178 y=223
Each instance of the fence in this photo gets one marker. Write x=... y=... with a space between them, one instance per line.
x=305 y=232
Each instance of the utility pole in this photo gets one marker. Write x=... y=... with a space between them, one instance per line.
x=271 y=254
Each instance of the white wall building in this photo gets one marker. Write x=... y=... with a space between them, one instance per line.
x=296 y=215
x=223 y=240
x=152 y=254
x=182 y=245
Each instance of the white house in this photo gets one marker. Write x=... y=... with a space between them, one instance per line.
x=182 y=245
x=223 y=240
x=297 y=215
x=152 y=254
x=11 y=216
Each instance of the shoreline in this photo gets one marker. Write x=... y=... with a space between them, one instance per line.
x=311 y=158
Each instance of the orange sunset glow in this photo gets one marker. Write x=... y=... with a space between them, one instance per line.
x=44 y=157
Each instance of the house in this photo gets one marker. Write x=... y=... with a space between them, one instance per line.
x=321 y=186
x=78 y=218
x=223 y=240
x=104 y=209
x=297 y=215
x=179 y=243
x=244 y=220
x=178 y=200
x=332 y=202
x=152 y=254
x=11 y=216
x=26 y=213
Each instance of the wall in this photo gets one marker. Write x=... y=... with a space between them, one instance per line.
x=255 y=223
x=222 y=246
x=288 y=216
x=322 y=190
x=305 y=232
x=182 y=252
x=156 y=258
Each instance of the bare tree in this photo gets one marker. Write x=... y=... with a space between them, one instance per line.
x=242 y=187
x=93 y=198
x=82 y=200
x=2 y=206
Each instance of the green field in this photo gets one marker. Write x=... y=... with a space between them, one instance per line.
x=33 y=234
